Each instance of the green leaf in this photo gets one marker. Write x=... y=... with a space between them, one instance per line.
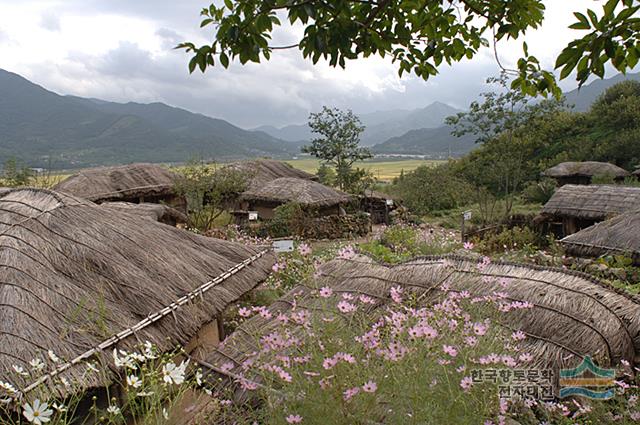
x=224 y=60
x=229 y=4
x=192 y=64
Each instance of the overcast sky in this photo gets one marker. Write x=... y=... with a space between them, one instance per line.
x=121 y=50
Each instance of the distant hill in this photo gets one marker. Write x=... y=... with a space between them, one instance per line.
x=42 y=127
x=585 y=96
x=434 y=142
x=379 y=125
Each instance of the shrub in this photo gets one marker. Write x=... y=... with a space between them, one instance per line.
x=539 y=192
x=427 y=189
x=518 y=238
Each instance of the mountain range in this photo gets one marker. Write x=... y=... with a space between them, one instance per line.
x=379 y=126
x=46 y=129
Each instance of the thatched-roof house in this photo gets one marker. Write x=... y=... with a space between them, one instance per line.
x=309 y=194
x=261 y=171
x=578 y=207
x=583 y=172
x=573 y=315
x=79 y=280
x=158 y=212
x=133 y=183
x=619 y=235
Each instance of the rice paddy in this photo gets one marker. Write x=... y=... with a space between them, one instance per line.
x=383 y=169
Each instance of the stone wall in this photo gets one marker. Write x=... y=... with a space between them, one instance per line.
x=335 y=226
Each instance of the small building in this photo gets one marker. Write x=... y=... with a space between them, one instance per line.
x=576 y=207
x=134 y=183
x=157 y=212
x=323 y=200
x=379 y=205
x=618 y=235
x=81 y=281
x=583 y=172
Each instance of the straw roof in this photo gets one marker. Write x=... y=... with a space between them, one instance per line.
x=620 y=234
x=593 y=202
x=119 y=182
x=158 y=212
x=377 y=195
x=305 y=192
x=585 y=169
x=573 y=314
x=261 y=171
x=73 y=275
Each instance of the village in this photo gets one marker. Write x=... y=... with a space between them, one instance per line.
x=320 y=213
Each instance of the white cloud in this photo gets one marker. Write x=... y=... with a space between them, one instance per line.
x=122 y=50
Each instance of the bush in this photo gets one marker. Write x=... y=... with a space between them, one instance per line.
x=428 y=189
x=518 y=238
x=287 y=219
x=539 y=192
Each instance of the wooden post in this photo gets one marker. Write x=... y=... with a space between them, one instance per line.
x=462 y=228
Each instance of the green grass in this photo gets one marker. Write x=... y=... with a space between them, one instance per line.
x=385 y=169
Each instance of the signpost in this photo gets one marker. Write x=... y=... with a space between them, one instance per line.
x=283 y=245
x=253 y=215
x=465 y=216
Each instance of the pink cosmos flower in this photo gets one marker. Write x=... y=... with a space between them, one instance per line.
x=346 y=307
x=461 y=368
x=370 y=387
x=226 y=367
x=518 y=335
x=326 y=292
x=471 y=341
x=347 y=296
x=466 y=383
x=450 y=350
x=396 y=294
x=346 y=253
x=350 y=393
x=635 y=416
x=479 y=329
x=304 y=249
x=244 y=312
x=525 y=357
x=468 y=245
x=365 y=299
x=278 y=267
x=294 y=419
x=330 y=362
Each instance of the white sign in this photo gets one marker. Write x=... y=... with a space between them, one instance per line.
x=285 y=245
x=467 y=215
x=390 y=202
x=253 y=215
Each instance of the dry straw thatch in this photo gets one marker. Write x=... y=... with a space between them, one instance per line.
x=304 y=192
x=595 y=202
x=73 y=275
x=618 y=235
x=119 y=183
x=261 y=171
x=585 y=169
x=158 y=212
x=573 y=314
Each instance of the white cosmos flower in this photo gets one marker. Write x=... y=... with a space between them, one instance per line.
x=20 y=370
x=8 y=388
x=149 y=351
x=199 y=378
x=38 y=413
x=53 y=356
x=113 y=410
x=165 y=414
x=37 y=365
x=59 y=407
x=124 y=361
x=134 y=381
x=174 y=374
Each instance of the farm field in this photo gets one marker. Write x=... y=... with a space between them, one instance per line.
x=385 y=169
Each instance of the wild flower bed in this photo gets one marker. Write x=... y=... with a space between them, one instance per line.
x=349 y=358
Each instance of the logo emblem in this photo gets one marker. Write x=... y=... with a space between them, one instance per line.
x=587 y=380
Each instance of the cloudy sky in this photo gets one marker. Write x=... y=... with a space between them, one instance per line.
x=121 y=50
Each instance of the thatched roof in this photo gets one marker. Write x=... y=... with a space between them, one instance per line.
x=618 y=235
x=304 y=192
x=73 y=275
x=377 y=195
x=261 y=171
x=119 y=182
x=573 y=314
x=585 y=169
x=158 y=212
x=593 y=202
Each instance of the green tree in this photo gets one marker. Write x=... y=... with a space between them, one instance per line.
x=418 y=35
x=338 y=144
x=326 y=175
x=209 y=190
x=15 y=174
